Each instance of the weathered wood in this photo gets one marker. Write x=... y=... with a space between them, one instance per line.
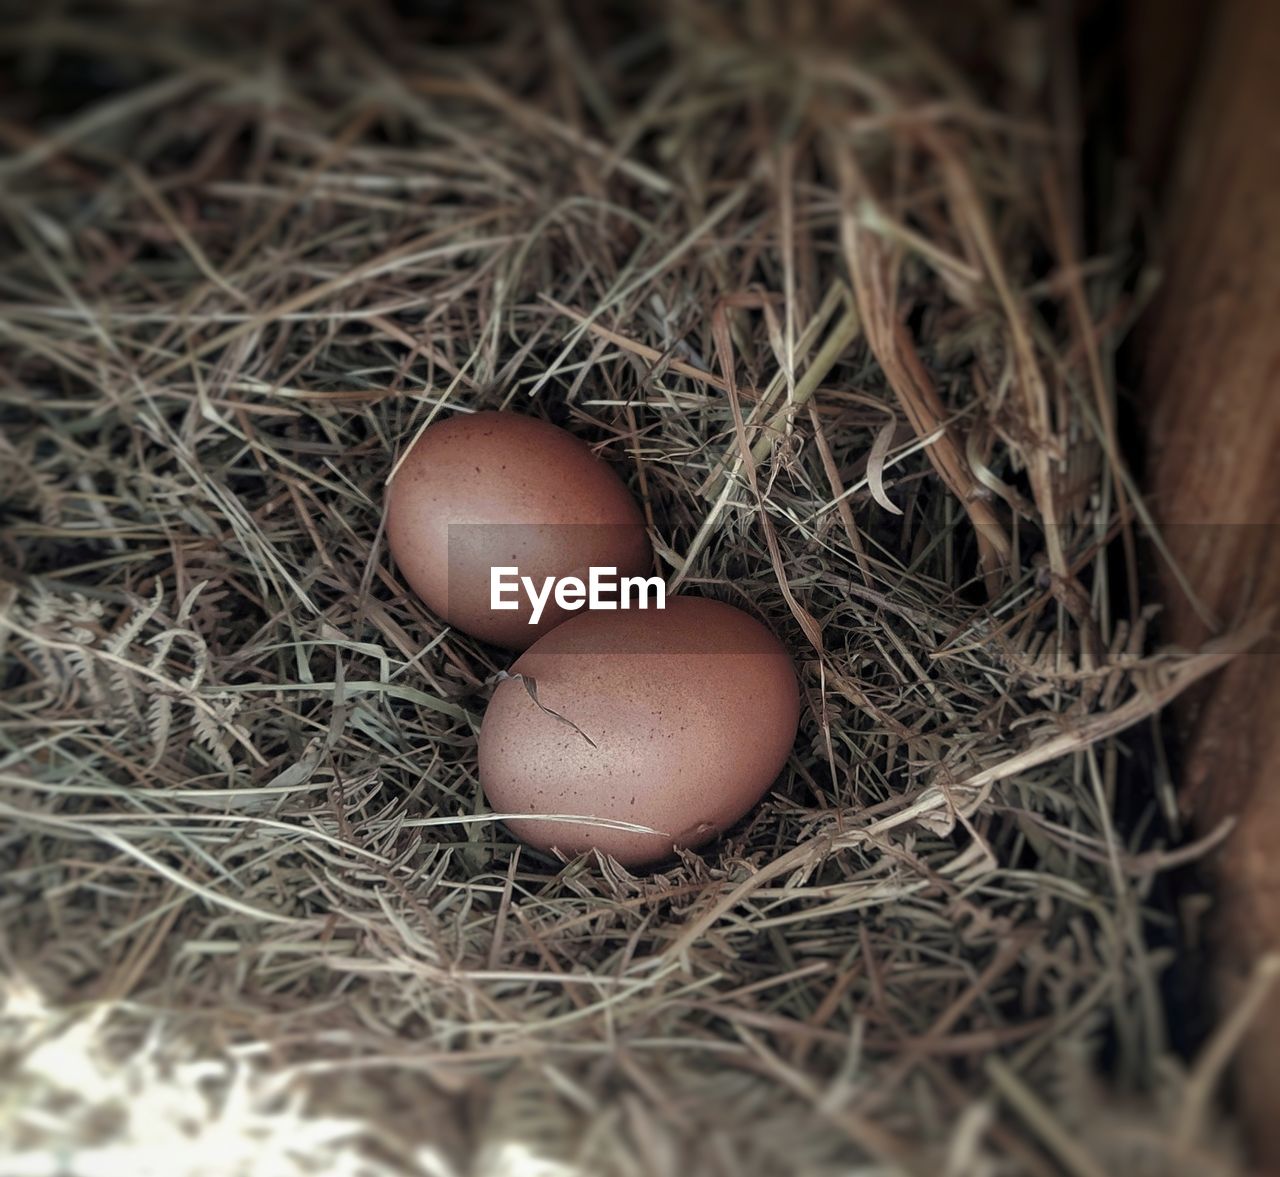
x=1211 y=395
x=1164 y=43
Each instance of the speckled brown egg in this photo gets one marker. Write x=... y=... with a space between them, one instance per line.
x=678 y=720
x=485 y=490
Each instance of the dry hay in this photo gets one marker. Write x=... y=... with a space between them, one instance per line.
x=810 y=277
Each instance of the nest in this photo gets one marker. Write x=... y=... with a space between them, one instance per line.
x=811 y=277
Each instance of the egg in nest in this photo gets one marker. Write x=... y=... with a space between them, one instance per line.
x=491 y=490
x=678 y=720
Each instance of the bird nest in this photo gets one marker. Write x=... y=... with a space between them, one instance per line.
x=812 y=279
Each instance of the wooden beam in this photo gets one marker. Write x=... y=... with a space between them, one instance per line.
x=1211 y=403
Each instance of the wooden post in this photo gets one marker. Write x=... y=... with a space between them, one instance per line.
x=1211 y=401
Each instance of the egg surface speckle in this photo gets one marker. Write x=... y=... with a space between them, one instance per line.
x=496 y=489
x=677 y=719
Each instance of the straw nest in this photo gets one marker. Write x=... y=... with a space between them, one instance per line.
x=811 y=277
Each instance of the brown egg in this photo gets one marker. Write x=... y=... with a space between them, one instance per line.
x=678 y=720
x=500 y=490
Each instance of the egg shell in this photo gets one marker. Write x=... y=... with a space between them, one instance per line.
x=681 y=719
x=501 y=489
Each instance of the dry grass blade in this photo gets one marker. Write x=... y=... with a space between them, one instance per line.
x=870 y=268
